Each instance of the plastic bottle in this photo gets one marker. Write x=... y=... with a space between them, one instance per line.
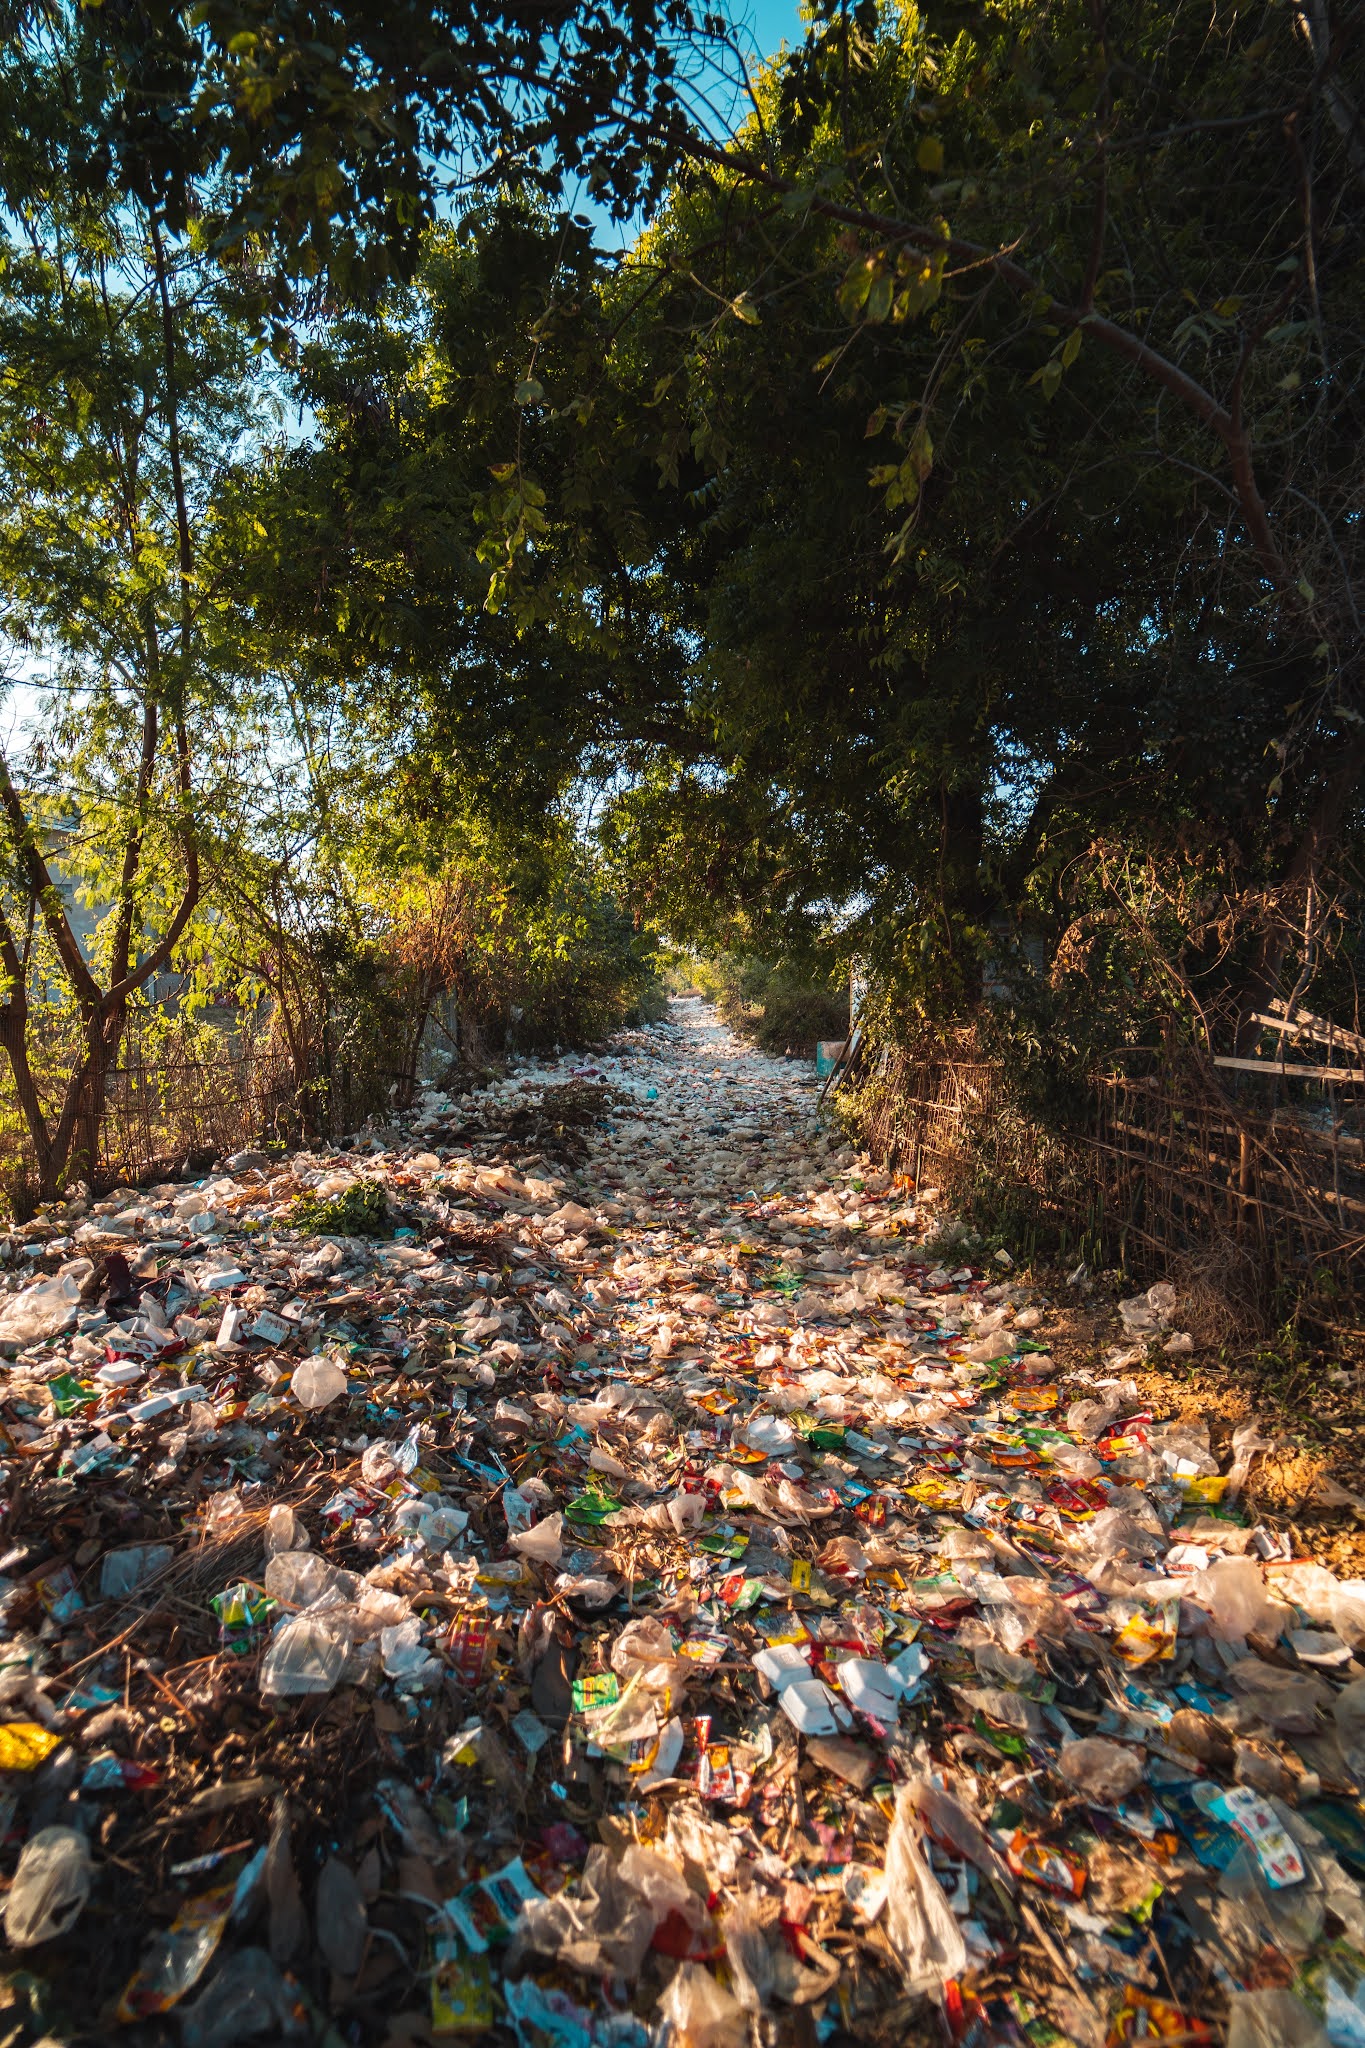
x=50 y=1888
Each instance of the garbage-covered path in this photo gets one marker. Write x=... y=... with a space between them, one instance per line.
x=579 y=1566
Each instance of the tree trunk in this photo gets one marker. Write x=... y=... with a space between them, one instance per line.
x=75 y=1146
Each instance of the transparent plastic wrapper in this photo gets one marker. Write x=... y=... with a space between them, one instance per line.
x=1348 y=1711
x=317 y=1382
x=43 y=1310
x=751 y=1960
x=123 y=1571
x=284 y=1531
x=1272 y=2019
x=246 y=1999
x=300 y=1577
x=1233 y=1592
x=1076 y=1460
x=1348 y=1612
x=644 y=1650
x=1247 y=1446
x=1102 y=1771
x=403 y=1656
x=700 y=2012
x=378 y=1465
x=999 y=1666
x=663 y=1887
x=1113 y=1533
x=440 y=1527
x=342 y=1922
x=50 y=1888
x=949 y=1822
x=601 y=1926
x=919 y=1922
x=544 y=1543
x=305 y=1655
x=1092 y=1418
x=1287 y=1701
x=1313 y=1589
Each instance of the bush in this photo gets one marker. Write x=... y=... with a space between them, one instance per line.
x=784 y=1007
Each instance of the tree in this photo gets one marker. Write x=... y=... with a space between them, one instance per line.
x=127 y=385
x=1179 y=195
x=333 y=136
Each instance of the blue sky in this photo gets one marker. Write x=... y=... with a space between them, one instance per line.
x=771 y=21
x=766 y=25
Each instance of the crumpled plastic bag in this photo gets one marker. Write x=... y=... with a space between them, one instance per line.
x=1272 y=2019
x=1103 y=1771
x=306 y=1655
x=700 y=2012
x=1247 y=1445
x=1233 y=1591
x=920 y=1924
x=247 y=1998
x=644 y=1650
x=751 y=1961
x=50 y=1888
x=543 y=1543
x=601 y=1926
x=42 y=1310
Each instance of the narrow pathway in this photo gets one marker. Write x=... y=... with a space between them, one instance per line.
x=580 y=1566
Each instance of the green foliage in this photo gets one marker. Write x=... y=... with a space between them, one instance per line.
x=784 y=1007
x=361 y=1210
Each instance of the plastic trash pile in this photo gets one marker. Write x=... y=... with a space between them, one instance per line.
x=578 y=1567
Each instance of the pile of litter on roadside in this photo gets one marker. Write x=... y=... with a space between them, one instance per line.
x=634 y=1592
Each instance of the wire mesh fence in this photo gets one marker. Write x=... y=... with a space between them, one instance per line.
x=191 y=1092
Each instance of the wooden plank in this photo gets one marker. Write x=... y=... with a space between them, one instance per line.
x=1309 y=1021
x=1294 y=1073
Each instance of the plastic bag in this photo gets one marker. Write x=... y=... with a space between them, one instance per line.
x=544 y=1543
x=305 y=1655
x=343 y=1924
x=600 y=1926
x=920 y=1925
x=246 y=1999
x=1272 y=2019
x=1102 y=1771
x=284 y=1531
x=644 y=1650
x=317 y=1382
x=1234 y=1593
x=1247 y=1445
x=1348 y=1612
x=123 y=1571
x=750 y=1959
x=42 y=1310
x=700 y=2012
x=298 y=1578
x=50 y=1888
x=1348 y=1711
x=662 y=1886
